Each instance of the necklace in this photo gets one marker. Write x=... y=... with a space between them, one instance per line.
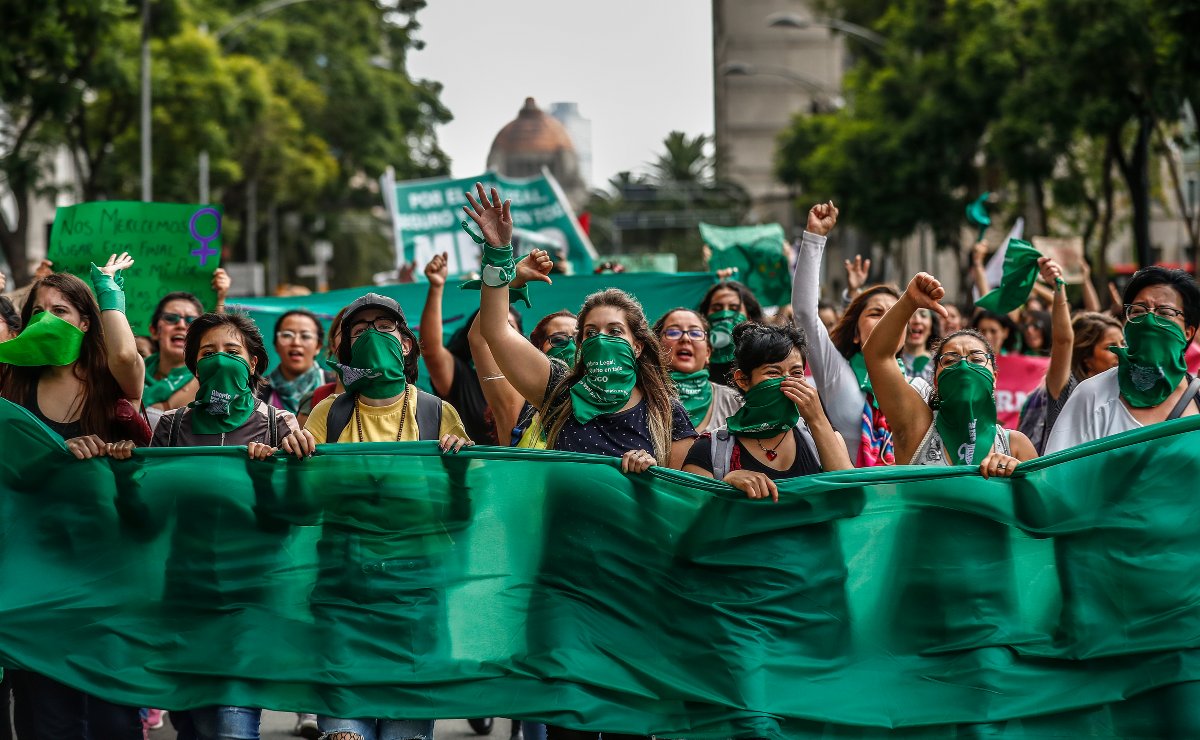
x=771 y=452
x=403 y=408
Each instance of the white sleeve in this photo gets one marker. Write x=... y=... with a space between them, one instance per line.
x=1072 y=428
x=832 y=375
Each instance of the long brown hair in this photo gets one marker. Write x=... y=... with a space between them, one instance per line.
x=845 y=332
x=1089 y=328
x=653 y=376
x=100 y=389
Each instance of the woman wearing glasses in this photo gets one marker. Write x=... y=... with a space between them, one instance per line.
x=1150 y=382
x=298 y=339
x=952 y=422
x=683 y=334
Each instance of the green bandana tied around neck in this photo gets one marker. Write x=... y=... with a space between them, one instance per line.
x=565 y=353
x=767 y=412
x=156 y=390
x=695 y=392
x=376 y=368
x=45 y=340
x=1152 y=364
x=720 y=334
x=858 y=364
x=966 y=413
x=1020 y=273
x=610 y=373
x=224 y=401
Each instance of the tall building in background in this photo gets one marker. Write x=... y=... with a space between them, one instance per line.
x=580 y=130
x=763 y=77
x=535 y=140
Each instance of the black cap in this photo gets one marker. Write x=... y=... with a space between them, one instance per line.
x=373 y=300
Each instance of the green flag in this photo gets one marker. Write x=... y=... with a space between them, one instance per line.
x=1020 y=273
x=386 y=580
x=757 y=253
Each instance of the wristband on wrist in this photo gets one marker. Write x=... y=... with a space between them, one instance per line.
x=109 y=289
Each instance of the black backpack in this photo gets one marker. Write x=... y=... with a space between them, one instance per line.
x=429 y=416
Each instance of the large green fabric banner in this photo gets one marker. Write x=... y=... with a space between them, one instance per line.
x=386 y=580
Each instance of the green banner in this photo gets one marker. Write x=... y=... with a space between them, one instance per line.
x=757 y=253
x=174 y=246
x=386 y=580
x=427 y=214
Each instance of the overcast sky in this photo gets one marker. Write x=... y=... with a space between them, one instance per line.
x=637 y=68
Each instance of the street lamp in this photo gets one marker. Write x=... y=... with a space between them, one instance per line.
x=798 y=22
x=745 y=69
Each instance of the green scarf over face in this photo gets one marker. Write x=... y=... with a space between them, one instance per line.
x=695 y=392
x=376 y=368
x=766 y=413
x=610 y=374
x=46 y=340
x=966 y=413
x=720 y=334
x=224 y=401
x=157 y=391
x=1151 y=365
x=1020 y=273
x=566 y=353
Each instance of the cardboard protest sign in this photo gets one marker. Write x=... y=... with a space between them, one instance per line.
x=1016 y=377
x=757 y=252
x=175 y=246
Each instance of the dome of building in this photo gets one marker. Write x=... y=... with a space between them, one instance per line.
x=533 y=131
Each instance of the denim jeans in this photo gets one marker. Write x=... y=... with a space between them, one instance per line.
x=227 y=723
x=380 y=729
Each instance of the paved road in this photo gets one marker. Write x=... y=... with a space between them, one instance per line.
x=279 y=725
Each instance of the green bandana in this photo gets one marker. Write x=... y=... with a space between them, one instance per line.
x=1152 y=364
x=767 y=412
x=720 y=334
x=376 y=368
x=566 y=353
x=45 y=340
x=1020 y=273
x=966 y=413
x=224 y=401
x=695 y=392
x=610 y=373
x=109 y=289
x=157 y=391
x=858 y=364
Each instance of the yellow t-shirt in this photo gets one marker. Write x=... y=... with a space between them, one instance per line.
x=381 y=423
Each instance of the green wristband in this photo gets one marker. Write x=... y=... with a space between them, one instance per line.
x=109 y=289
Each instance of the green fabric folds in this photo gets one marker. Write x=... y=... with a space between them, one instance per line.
x=1020 y=273
x=158 y=390
x=756 y=252
x=386 y=580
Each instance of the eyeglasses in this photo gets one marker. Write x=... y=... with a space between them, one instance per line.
x=560 y=339
x=174 y=318
x=287 y=335
x=975 y=357
x=1139 y=311
x=673 y=334
x=383 y=325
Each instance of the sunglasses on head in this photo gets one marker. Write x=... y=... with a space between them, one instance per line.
x=174 y=318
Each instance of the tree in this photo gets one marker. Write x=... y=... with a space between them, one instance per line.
x=685 y=160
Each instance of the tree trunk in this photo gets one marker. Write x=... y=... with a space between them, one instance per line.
x=1135 y=170
x=12 y=239
x=1100 y=266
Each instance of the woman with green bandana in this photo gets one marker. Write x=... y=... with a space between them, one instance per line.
x=684 y=335
x=724 y=306
x=766 y=439
x=75 y=366
x=1150 y=383
x=952 y=421
x=298 y=339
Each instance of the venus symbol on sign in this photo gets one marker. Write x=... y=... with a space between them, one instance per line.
x=205 y=251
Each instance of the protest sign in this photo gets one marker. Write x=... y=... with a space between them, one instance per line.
x=758 y=255
x=1016 y=377
x=427 y=214
x=174 y=246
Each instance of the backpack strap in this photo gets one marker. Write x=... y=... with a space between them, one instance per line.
x=722 y=452
x=272 y=429
x=176 y=425
x=1189 y=395
x=339 y=416
x=429 y=416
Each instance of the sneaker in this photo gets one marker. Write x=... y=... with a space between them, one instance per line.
x=154 y=719
x=306 y=727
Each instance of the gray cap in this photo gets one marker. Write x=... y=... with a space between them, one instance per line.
x=374 y=300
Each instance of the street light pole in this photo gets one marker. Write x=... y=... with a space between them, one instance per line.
x=798 y=22
x=147 y=177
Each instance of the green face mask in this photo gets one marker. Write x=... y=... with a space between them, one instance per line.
x=1152 y=364
x=966 y=413
x=224 y=401
x=695 y=392
x=46 y=340
x=376 y=368
x=566 y=353
x=720 y=334
x=766 y=412
x=610 y=373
